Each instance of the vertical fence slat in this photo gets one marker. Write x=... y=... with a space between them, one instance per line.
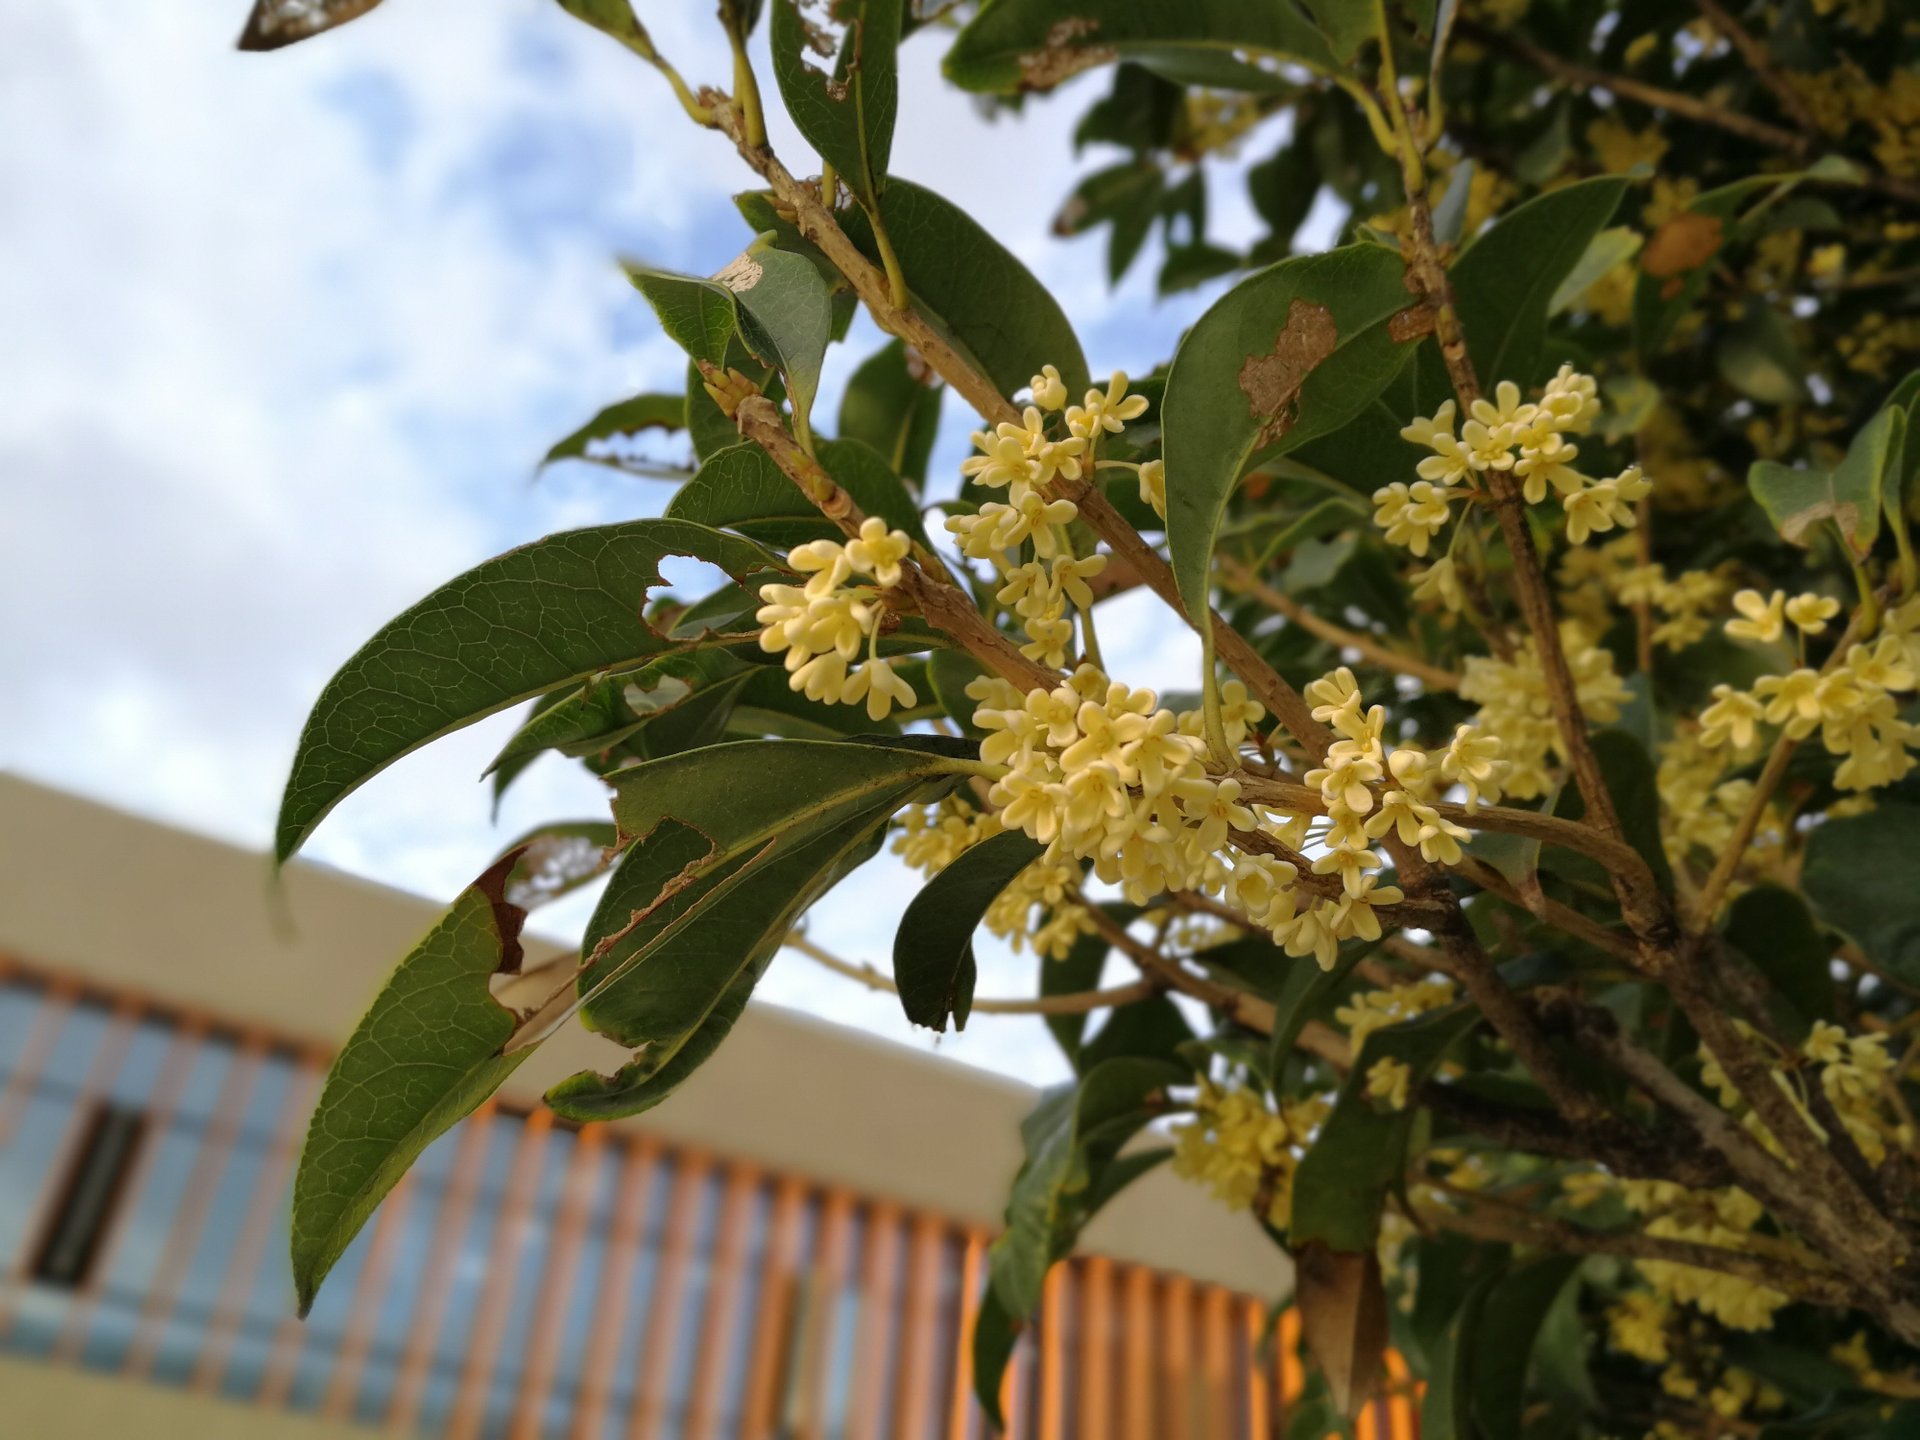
x=1096 y=1347
x=1259 y=1411
x=503 y=1271
x=556 y=1285
x=1137 y=1419
x=728 y=1262
x=164 y=1099
x=774 y=1314
x=1216 y=1390
x=263 y=1213
x=450 y=1228
x=615 y=1296
x=919 y=1330
x=1293 y=1379
x=814 y=1353
x=369 y=1294
x=879 y=1271
x=1053 y=1379
x=663 y=1328
x=1401 y=1424
x=57 y=1003
x=972 y=1263
x=1176 y=1357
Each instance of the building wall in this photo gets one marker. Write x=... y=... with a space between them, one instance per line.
x=777 y=1252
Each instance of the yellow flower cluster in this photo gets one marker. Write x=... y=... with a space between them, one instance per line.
x=1372 y=1010
x=1723 y=1218
x=1876 y=341
x=1857 y=1073
x=1515 y=704
x=824 y=624
x=1527 y=439
x=1637 y=1325
x=1851 y=703
x=1023 y=460
x=1242 y=1151
x=1387 y=1082
x=1697 y=808
x=1593 y=578
x=1619 y=147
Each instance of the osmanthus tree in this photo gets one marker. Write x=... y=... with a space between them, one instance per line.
x=1538 y=836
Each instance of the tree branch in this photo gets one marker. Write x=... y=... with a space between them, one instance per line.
x=1247 y=583
x=1076 y=1003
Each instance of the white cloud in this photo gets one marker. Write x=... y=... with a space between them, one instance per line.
x=284 y=337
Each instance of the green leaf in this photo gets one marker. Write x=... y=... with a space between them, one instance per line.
x=1446 y=1411
x=1506 y=281
x=1302 y=994
x=933 y=949
x=1773 y=928
x=1611 y=247
x=1072 y=1137
x=426 y=1054
x=695 y=688
x=1343 y=1181
x=1503 y=1341
x=625 y=417
x=700 y=316
x=1347 y=24
x=1290 y=354
x=1757 y=357
x=1032 y=45
x=1631 y=781
x=1147 y=1029
x=847 y=116
x=1850 y=495
x=740 y=488
x=786 y=319
x=1856 y=879
x=895 y=410
x=505 y=773
x=995 y=1333
x=973 y=289
x=720 y=935
x=515 y=627
x=1078 y=970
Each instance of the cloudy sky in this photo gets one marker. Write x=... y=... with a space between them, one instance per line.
x=282 y=336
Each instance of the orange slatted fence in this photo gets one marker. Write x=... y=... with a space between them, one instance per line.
x=529 y=1280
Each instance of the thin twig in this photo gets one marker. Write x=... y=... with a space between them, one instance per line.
x=1078 y=1002
x=1247 y=583
x=1760 y=62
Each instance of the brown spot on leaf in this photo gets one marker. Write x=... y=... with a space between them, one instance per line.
x=507 y=916
x=742 y=273
x=1063 y=55
x=1412 y=323
x=1343 y=1314
x=1682 y=243
x=1272 y=382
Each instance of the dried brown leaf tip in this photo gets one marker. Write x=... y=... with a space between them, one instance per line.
x=1343 y=1315
x=1063 y=55
x=1272 y=382
x=274 y=23
x=1681 y=244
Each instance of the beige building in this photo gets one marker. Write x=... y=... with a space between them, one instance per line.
x=783 y=1250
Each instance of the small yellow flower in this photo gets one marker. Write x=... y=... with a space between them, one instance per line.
x=1387 y=1081
x=1764 y=616
x=1810 y=612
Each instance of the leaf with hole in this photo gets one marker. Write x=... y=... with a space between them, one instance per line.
x=515 y=627
x=427 y=1052
x=1849 y=495
x=847 y=114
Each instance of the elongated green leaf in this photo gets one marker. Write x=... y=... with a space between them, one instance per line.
x=427 y=1052
x=1078 y=970
x=1034 y=44
x=1850 y=495
x=625 y=417
x=1757 y=357
x=786 y=318
x=505 y=773
x=895 y=409
x=1287 y=355
x=1343 y=1181
x=1304 y=992
x=846 y=115
x=1505 y=283
x=1857 y=882
x=995 y=1333
x=1347 y=24
x=515 y=627
x=1611 y=247
x=694 y=688
x=1774 y=929
x=1071 y=1138
x=1631 y=781
x=973 y=289
x=1446 y=1411
x=933 y=949
x=678 y=1006
x=1503 y=1345
x=740 y=488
